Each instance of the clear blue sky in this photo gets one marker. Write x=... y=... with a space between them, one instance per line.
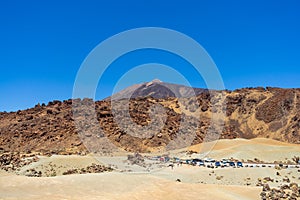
x=43 y=43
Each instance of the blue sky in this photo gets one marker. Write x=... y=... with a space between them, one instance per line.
x=43 y=43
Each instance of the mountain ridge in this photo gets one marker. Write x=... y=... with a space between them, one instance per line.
x=156 y=89
x=250 y=113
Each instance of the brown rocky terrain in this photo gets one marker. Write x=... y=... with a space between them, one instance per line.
x=252 y=112
x=157 y=89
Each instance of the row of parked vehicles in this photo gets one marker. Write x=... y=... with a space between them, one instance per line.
x=213 y=163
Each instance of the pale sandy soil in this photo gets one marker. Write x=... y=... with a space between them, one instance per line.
x=196 y=182
x=264 y=149
x=113 y=186
x=230 y=176
x=59 y=163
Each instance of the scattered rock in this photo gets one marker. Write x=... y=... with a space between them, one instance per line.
x=14 y=161
x=52 y=125
x=94 y=168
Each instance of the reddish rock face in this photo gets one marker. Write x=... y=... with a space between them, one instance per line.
x=252 y=112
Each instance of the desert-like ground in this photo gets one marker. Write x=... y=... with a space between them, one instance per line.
x=116 y=186
x=181 y=182
x=261 y=148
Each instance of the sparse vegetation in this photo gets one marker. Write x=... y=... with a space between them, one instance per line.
x=94 y=168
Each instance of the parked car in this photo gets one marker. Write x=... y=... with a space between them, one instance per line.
x=195 y=161
x=217 y=164
x=209 y=160
x=201 y=163
x=239 y=164
x=232 y=164
x=224 y=161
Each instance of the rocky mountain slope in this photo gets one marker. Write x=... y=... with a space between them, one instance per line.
x=157 y=89
x=251 y=112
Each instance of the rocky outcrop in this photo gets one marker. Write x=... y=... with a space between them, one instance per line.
x=290 y=191
x=13 y=161
x=94 y=168
x=44 y=128
x=250 y=112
